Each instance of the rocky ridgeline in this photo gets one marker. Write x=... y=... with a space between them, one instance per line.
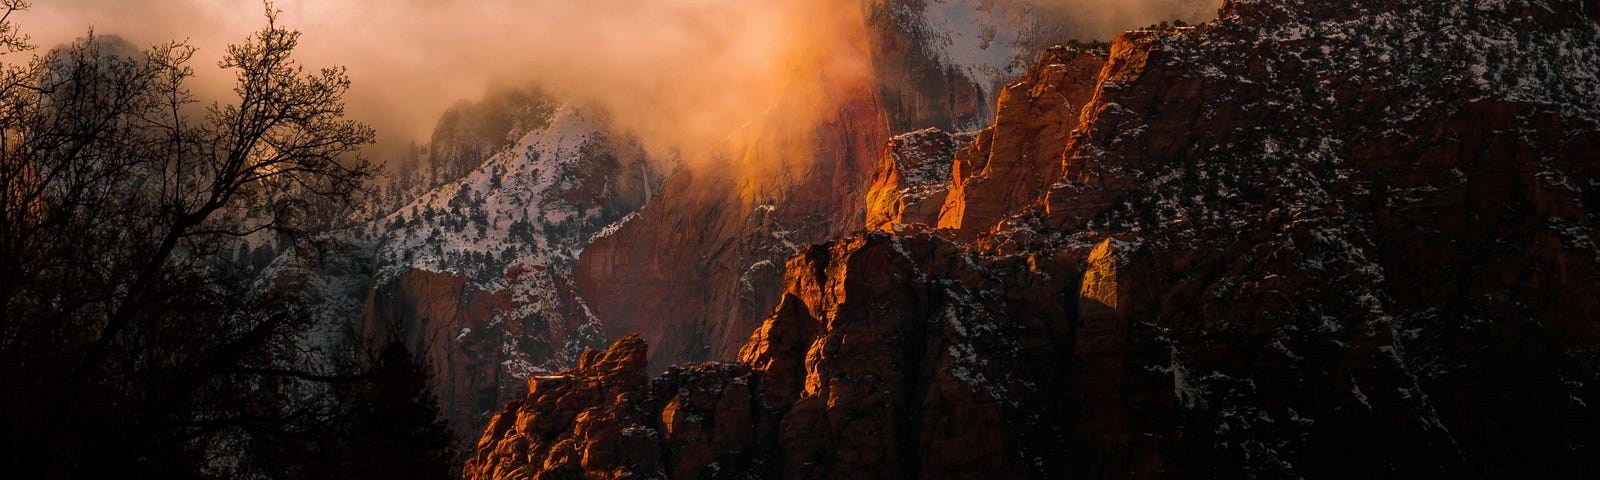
x=1308 y=239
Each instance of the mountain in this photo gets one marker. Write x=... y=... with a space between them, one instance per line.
x=1307 y=239
x=476 y=275
x=470 y=268
x=694 y=271
x=527 y=229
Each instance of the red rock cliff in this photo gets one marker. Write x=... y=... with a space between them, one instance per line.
x=913 y=178
x=1012 y=162
x=690 y=272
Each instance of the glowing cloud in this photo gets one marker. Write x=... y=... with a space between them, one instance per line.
x=680 y=73
x=675 y=72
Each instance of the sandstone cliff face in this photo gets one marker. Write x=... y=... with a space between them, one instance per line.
x=905 y=357
x=1308 y=239
x=1012 y=162
x=691 y=271
x=476 y=340
x=912 y=178
x=942 y=63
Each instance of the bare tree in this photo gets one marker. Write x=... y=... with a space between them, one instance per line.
x=12 y=40
x=130 y=339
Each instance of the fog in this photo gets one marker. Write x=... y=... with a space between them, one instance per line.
x=679 y=73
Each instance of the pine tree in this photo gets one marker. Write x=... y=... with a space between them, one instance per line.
x=393 y=429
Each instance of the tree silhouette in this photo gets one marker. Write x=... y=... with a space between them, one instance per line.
x=387 y=426
x=132 y=343
x=395 y=428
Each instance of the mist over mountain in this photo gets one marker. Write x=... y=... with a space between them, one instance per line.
x=714 y=64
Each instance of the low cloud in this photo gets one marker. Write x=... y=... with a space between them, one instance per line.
x=677 y=73
x=681 y=74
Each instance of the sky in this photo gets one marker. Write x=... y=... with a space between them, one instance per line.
x=669 y=70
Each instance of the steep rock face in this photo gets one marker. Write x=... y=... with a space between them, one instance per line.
x=897 y=357
x=689 y=272
x=912 y=178
x=1309 y=239
x=1012 y=162
x=1355 y=224
x=725 y=228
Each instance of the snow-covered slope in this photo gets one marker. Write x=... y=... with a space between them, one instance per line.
x=524 y=207
x=474 y=275
x=477 y=274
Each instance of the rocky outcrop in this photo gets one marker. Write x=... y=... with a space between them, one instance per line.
x=1012 y=162
x=1308 y=239
x=583 y=419
x=860 y=373
x=887 y=359
x=912 y=178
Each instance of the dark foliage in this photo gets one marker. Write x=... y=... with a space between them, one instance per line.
x=135 y=339
x=394 y=430
x=388 y=427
